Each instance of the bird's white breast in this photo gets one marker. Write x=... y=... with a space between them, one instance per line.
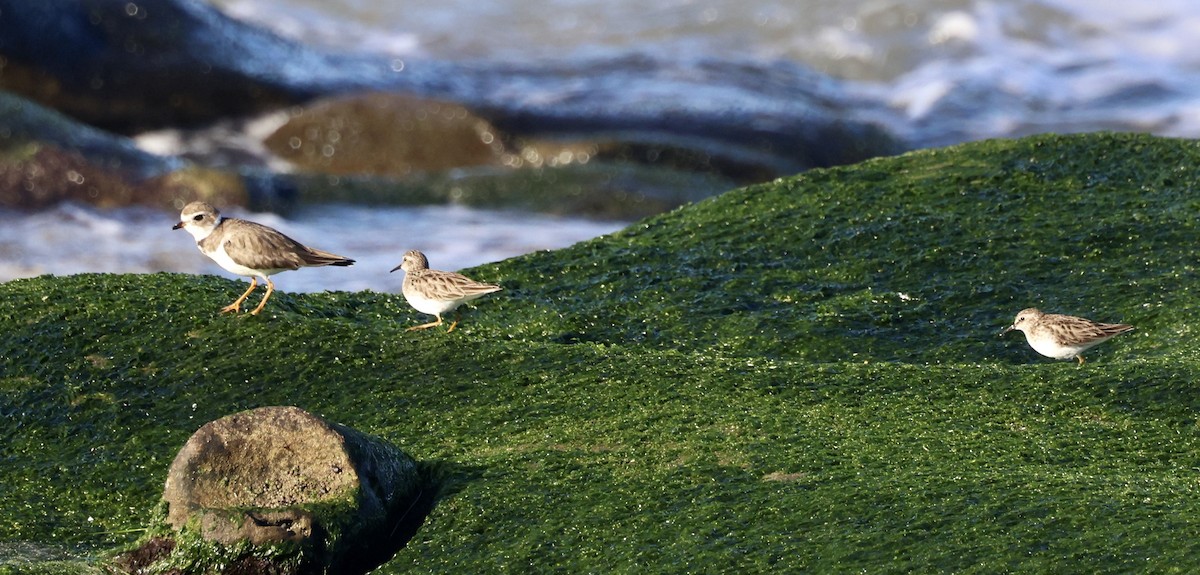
x=429 y=306
x=1048 y=346
x=222 y=258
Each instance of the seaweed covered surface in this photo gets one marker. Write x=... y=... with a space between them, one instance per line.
x=799 y=375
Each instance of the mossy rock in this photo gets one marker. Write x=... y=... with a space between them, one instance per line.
x=279 y=490
x=802 y=375
x=385 y=134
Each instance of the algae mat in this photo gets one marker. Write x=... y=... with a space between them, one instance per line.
x=796 y=376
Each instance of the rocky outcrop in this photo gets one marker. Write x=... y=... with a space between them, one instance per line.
x=25 y=122
x=316 y=493
x=129 y=67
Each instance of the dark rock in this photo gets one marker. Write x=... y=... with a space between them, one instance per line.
x=317 y=493
x=46 y=157
x=146 y=554
x=24 y=122
x=777 y=118
x=128 y=66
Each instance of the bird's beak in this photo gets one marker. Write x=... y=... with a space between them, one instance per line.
x=177 y=226
x=396 y=268
x=1007 y=329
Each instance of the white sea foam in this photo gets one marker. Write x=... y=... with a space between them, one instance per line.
x=72 y=238
x=954 y=69
x=340 y=25
x=229 y=143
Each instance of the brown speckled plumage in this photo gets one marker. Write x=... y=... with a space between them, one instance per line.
x=436 y=292
x=1063 y=336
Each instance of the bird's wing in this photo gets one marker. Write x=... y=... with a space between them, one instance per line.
x=259 y=247
x=1081 y=330
x=453 y=285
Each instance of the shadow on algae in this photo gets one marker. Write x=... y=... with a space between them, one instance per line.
x=801 y=375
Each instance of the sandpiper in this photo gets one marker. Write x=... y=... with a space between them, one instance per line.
x=436 y=292
x=1063 y=336
x=249 y=249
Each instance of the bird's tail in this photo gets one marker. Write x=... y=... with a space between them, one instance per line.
x=324 y=258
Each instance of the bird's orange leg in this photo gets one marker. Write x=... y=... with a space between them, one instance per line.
x=426 y=325
x=270 y=290
x=236 y=306
x=457 y=316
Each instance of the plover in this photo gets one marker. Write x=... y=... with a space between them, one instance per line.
x=436 y=292
x=249 y=249
x=1063 y=336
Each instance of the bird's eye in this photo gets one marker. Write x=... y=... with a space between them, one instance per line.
x=198 y=217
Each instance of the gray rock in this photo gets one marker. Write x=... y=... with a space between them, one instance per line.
x=279 y=476
x=128 y=66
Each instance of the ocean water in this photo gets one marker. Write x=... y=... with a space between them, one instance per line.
x=952 y=70
x=74 y=238
x=945 y=71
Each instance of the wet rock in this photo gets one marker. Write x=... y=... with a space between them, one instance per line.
x=36 y=176
x=128 y=66
x=46 y=158
x=24 y=122
x=131 y=66
x=773 y=118
x=314 y=493
x=386 y=134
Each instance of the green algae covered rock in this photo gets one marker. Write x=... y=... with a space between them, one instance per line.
x=798 y=376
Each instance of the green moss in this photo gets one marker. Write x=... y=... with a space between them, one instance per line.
x=802 y=375
x=196 y=555
x=27 y=558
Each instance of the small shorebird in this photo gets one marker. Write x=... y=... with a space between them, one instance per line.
x=249 y=249
x=1063 y=336
x=436 y=292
